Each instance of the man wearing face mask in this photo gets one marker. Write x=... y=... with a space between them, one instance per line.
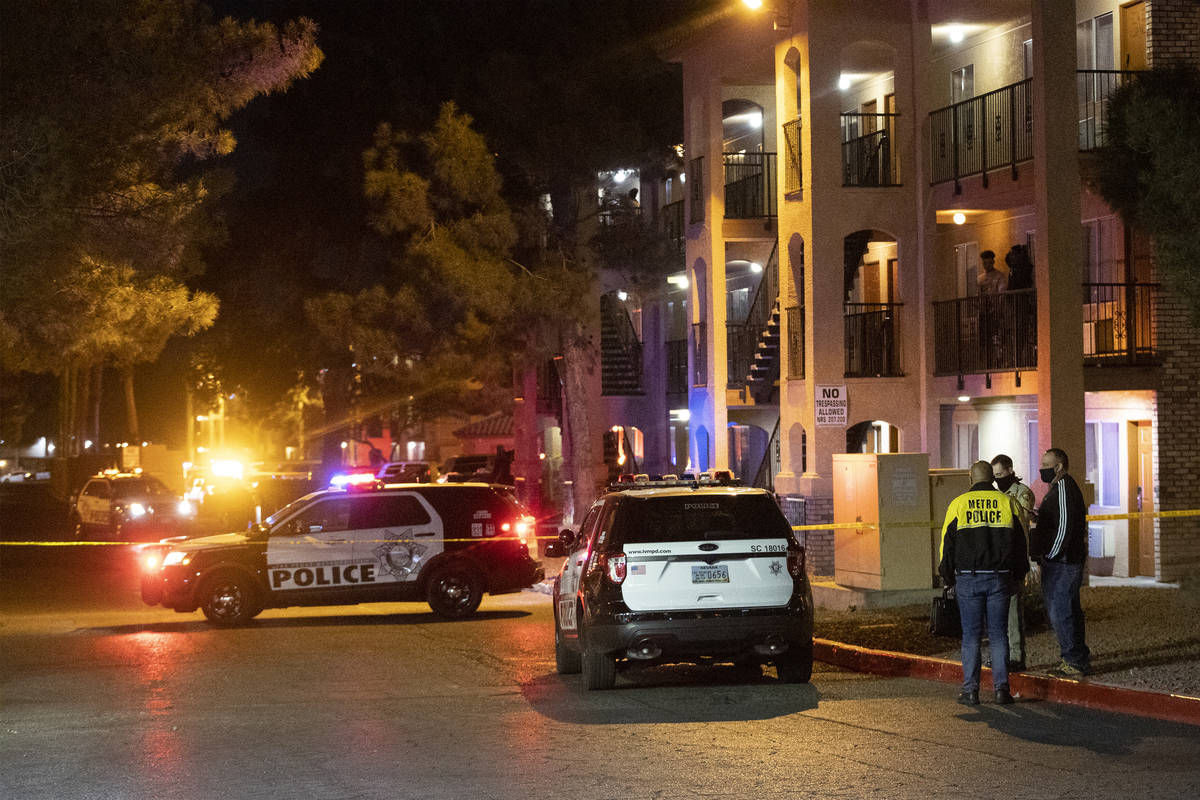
x=1008 y=482
x=1059 y=543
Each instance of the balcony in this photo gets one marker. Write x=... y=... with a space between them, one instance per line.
x=873 y=340
x=749 y=185
x=869 y=156
x=671 y=220
x=995 y=131
x=1118 y=324
x=985 y=333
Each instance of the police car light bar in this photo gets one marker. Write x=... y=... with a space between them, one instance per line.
x=356 y=480
x=716 y=478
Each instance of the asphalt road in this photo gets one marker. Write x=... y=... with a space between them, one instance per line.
x=101 y=697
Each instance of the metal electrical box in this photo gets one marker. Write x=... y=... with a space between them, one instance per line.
x=891 y=490
x=944 y=486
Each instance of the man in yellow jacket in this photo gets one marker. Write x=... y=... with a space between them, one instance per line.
x=984 y=557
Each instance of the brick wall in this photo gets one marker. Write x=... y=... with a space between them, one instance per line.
x=1173 y=32
x=818 y=545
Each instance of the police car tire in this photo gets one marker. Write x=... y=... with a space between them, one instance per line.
x=455 y=591
x=78 y=531
x=566 y=660
x=228 y=599
x=599 y=670
x=795 y=666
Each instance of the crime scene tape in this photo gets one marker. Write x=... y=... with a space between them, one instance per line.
x=816 y=526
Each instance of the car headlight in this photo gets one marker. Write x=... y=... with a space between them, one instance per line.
x=184 y=509
x=136 y=510
x=176 y=557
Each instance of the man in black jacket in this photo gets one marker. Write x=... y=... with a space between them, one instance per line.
x=1059 y=543
x=984 y=559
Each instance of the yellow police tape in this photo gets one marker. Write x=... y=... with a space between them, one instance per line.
x=818 y=526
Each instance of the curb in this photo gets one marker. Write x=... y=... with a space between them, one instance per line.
x=1097 y=696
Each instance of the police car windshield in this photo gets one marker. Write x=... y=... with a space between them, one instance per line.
x=683 y=518
x=139 y=487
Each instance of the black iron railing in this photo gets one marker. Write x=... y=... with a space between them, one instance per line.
x=699 y=354
x=749 y=185
x=873 y=340
x=1118 y=323
x=671 y=217
x=869 y=156
x=793 y=167
x=765 y=477
x=1095 y=87
x=695 y=176
x=620 y=349
x=795 y=326
x=743 y=336
x=677 y=371
x=982 y=134
x=985 y=333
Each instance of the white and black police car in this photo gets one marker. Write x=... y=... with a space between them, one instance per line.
x=366 y=542
x=674 y=571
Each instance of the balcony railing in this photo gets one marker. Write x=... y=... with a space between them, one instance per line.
x=695 y=175
x=1118 y=323
x=699 y=354
x=869 y=156
x=873 y=340
x=985 y=333
x=677 y=371
x=742 y=337
x=793 y=175
x=749 y=185
x=1095 y=87
x=672 y=225
x=982 y=134
x=795 y=324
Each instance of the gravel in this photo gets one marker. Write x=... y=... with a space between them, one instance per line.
x=1143 y=638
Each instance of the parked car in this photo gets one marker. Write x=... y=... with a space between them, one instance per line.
x=366 y=542
x=128 y=506
x=676 y=571
x=407 y=472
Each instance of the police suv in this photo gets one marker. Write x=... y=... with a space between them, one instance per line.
x=445 y=544
x=673 y=572
x=129 y=506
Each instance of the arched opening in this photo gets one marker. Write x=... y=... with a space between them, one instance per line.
x=751 y=457
x=794 y=308
x=873 y=436
x=798 y=439
x=701 y=462
x=867 y=83
x=872 y=309
x=742 y=126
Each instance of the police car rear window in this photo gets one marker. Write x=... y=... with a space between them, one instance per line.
x=693 y=518
x=139 y=487
x=388 y=510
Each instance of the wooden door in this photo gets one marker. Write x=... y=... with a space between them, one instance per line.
x=869 y=120
x=1141 y=498
x=1133 y=36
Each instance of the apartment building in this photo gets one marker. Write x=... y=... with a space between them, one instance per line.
x=847 y=165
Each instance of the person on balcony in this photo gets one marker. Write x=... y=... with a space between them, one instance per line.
x=1020 y=268
x=992 y=281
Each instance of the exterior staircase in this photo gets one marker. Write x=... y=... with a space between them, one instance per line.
x=620 y=350
x=764 y=369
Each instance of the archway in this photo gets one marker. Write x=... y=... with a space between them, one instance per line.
x=867 y=82
x=873 y=436
x=871 y=273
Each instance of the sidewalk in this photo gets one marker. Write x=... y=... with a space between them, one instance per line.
x=1141 y=638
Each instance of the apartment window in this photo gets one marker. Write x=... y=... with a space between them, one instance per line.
x=1100 y=248
x=962 y=84
x=1094 y=42
x=1103 y=446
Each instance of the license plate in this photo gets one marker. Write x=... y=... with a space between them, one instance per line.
x=717 y=574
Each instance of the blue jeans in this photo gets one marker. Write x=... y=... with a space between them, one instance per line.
x=1060 y=588
x=979 y=595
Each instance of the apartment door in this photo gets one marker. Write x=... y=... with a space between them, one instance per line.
x=1141 y=497
x=870 y=119
x=1133 y=36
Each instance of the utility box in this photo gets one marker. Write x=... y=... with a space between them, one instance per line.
x=891 y=490
x=944 y=486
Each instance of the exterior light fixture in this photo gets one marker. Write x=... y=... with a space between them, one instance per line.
x=87 y=444
x=753 y=5
x=678 y=280
x=963 y=398
x=956 y=34
x=959 y=218
x=755 y=267
x=622 y=295
x=345 y=445
x=843 y=82
x=683 y=177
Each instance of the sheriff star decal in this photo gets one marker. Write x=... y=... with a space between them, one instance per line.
x=400 y=554
x=776 y=567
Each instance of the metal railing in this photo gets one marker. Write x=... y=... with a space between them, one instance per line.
x=869 y=156
x=872 y=340
x=699 y=354
x=1118 y=323
x=793 y=166
x=671 y=219
x=620 y=348
x=742 y=337
x=695 y=176
x=749 y=185
x=982 y=134
x=985 y=333
x=1095 y=87
x=795 y=326
x=677 y=370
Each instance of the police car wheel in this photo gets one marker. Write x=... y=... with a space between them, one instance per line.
x=77 y=529
x=599 y=670
x=455 y=592
x=228 y=600
x=795 y=667
x=566 y=660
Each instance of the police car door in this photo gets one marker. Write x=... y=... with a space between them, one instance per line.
x=312 y=550
x=94 y=503
x=396 y=535
x=568 y=581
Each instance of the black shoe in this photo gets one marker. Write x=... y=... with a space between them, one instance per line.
x=1016 y=666
x=969 y=698
x=1003 y=698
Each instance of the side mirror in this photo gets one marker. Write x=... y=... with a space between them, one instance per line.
x=567 y=538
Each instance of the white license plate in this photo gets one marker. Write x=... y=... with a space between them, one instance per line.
x=717 y=574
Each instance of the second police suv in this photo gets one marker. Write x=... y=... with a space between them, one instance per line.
x=682 y=571
x=370 y=542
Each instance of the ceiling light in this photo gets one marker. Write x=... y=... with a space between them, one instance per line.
x=964 y=398
x=755 y=267
x=956 y=34
x=843 y=82
x=959 y=218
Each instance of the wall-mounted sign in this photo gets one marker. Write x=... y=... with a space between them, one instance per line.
x=832 y=405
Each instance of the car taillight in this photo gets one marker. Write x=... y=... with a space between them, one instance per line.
x=614 y=567
x=795 y=561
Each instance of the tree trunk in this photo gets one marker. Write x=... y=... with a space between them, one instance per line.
x=131 y=414
x=97 y=390
x=577 y=365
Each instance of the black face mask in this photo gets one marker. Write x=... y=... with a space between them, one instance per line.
x=1047 y=474
x=1005 y=482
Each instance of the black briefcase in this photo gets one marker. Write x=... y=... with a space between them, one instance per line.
x=943 y=616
